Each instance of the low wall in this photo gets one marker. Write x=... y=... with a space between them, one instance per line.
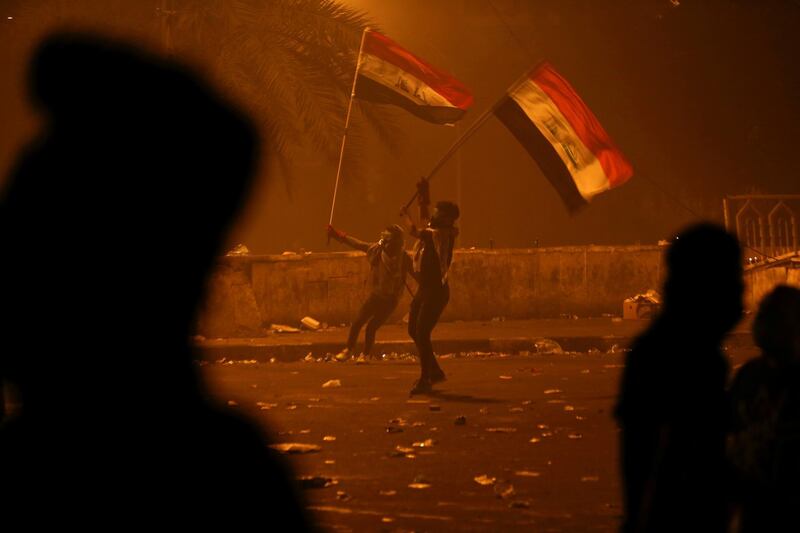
x=247 y=293
x=761 y=279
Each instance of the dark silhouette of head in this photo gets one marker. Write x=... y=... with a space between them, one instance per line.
x=109 y=226
x=113 y=216
x=777 y=325
x=392 y=238
x=444 y=214
x=704 y=286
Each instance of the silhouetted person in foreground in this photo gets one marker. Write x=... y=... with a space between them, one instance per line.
x=765 y=440
x=109 y=226
x=673 y=409
x=433 y=255
x=388 y=266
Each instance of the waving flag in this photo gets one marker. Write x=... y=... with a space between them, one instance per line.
x=562 y=134
x=390 y=74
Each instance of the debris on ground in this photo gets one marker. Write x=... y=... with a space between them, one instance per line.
x=420 y=482
x=329 y=438
x=504 y=490
x=527 y=473
x=520 y=504
x=387 y=492
x=547 y=346
x=483 y=479
x=460 y=420
x=342 y=496
x=310 y=323
x=435 y=407
x=239 y=249
x=427 y=443
x=501 y=430
x=332 y=384
x=642 y=306
x=283 y=328
x=295 y=447
x=315 y=482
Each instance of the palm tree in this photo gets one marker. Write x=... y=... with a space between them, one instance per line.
x=292 y=63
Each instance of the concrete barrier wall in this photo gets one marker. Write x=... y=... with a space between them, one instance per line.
x=247 y=293
x=761 y=279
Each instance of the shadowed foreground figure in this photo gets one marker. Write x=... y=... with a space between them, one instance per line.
x=673 y=407
x=109 y=225
x=765 y=439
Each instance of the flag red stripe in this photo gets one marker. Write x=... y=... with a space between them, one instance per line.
x=450 y=88
x=617 y=169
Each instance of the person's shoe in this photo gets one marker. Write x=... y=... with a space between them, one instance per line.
x=437 y=376
x=343 y=356
x=422 y=386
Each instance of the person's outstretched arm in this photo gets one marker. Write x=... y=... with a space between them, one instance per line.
x=344 y=238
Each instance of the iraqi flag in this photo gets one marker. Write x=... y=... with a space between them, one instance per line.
x=562 y=134
x=390 y=74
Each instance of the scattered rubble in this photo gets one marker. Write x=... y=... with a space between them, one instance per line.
x=504 y=490
x=295 y=447
x=332 y=384
x=239 y=249
x=547 y=346
x=641 y=306
x=283 y=328
x=483 y=479
x=310 y=323
x=316 y=482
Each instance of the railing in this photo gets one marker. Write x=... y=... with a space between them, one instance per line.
x=766 y=224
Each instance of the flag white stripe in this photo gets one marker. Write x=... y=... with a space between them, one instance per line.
x=586 y=171
x=401 y=82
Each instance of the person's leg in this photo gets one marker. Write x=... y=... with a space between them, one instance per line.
x=423 y=384
x=382 y=311
x=413 y=315
x=429 y=317
x=364 y=314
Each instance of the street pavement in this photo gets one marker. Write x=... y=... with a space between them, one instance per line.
x=537 y=450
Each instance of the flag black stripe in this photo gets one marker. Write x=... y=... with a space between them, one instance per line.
x=368 y=89
x=540 y=149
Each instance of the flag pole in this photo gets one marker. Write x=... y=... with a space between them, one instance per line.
x=469 y=132
x=347 y=122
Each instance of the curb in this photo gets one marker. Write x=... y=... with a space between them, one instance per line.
x=286 y=353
